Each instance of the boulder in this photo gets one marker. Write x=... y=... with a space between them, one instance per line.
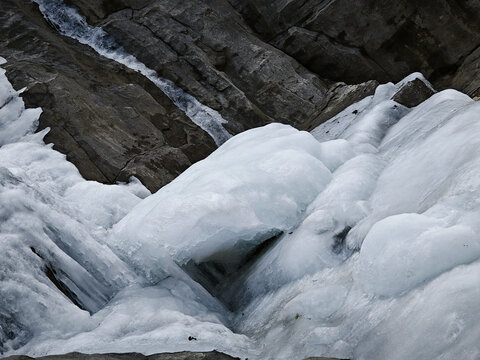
x=413 y=93
x=338 y=98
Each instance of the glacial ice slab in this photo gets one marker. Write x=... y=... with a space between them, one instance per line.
x=256 y=185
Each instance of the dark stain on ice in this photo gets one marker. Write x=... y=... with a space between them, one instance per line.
x=13 y=332
x=54 y=277
x=60 y=285
x=339 y=240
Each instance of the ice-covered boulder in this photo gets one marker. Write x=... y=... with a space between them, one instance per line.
x=257 y=185
x=413 y=93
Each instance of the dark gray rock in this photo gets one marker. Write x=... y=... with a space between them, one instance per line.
x=467 y=77
x=111 y=122
x=355 y=41
x=212 y=355
x=338 y=98
x=206 y=48
x=186 y=355
x=413 y=93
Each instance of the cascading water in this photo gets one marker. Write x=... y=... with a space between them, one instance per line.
x=70 y=23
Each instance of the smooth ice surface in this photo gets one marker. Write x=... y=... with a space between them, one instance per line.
x=376 y=251
x=381 y=240
x=257 y=185
x=69 y=22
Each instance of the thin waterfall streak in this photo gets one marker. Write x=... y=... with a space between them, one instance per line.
x=68 y=22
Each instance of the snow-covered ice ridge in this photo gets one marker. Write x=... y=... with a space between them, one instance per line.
x=371 y=223
x=69 y=22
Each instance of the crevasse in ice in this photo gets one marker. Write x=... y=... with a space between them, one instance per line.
x=359 y=240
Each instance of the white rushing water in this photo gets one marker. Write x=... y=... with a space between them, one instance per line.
x=69 y=22
x=376 y=256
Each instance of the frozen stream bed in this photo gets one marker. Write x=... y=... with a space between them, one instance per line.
x=358 y=240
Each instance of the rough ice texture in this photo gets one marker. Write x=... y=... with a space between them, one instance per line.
x=376 y=225
x=255 y=186
x=56 y=269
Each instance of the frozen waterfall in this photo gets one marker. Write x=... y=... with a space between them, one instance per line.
x=358 y=240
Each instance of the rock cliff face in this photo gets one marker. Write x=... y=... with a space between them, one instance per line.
x=111 y=122
x=207 y=49
x=253 y=61
x=356 y=41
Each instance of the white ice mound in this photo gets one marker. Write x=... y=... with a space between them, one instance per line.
x=392 y=233
x=52 y=266
x=432 y=157
x=402 y=251
x=378 y=240
x=253 y=187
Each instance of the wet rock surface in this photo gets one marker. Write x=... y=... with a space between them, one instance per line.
x=253 y=61
x=363 y=40
x=206 y=48
x=339 y=97
x=111 y=122
x=413 y=93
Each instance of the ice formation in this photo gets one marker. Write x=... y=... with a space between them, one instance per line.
x=69 y=22
x=359 y=240
x=57 y=272
x=223 y=207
